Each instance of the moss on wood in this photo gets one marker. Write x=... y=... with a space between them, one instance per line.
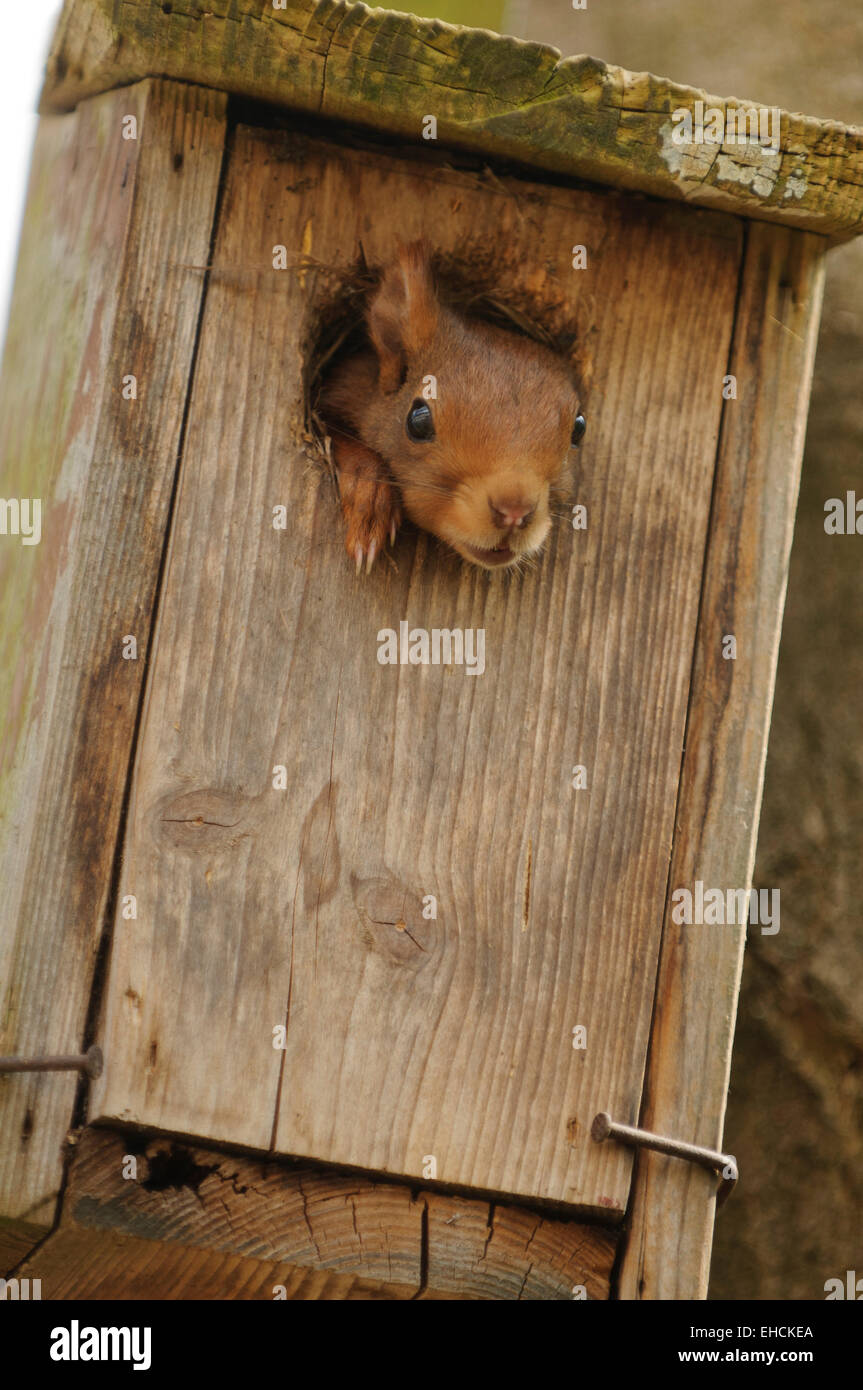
x=496 y=96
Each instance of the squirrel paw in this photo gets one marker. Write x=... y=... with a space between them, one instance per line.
x=372 y=513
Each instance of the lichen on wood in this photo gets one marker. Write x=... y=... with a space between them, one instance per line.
x=499 y=97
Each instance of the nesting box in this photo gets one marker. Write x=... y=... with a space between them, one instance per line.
x=366 y=946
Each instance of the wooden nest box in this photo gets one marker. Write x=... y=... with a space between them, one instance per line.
x=366 y=947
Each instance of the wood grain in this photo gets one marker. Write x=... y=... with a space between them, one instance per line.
x=494 y=95
x=259 y=907
x=193 y=1223
x=101 y=292
x=758 y=469
x=106 y=1265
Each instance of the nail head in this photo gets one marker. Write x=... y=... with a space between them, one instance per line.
x=601 y=1127
x=95 y=1062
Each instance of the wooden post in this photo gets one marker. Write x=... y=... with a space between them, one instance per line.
x=755 y=495
x=169 y=893
x=102 y=296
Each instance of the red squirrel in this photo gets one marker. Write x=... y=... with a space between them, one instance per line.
x=473 y=459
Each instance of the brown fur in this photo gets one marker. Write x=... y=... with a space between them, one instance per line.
x=503 y=418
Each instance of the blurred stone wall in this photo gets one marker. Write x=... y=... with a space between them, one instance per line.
x=795 y=1116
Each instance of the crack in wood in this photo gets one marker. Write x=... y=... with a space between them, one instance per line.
x=528 y=866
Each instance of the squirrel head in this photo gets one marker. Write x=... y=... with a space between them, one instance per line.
x=475 y=422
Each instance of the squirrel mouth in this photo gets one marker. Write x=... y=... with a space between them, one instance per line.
x=497 y=555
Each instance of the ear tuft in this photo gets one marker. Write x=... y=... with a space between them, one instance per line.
x=403 y=313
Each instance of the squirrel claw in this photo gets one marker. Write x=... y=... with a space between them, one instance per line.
x=372 y=512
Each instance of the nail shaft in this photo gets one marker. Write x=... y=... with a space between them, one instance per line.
x=89 y=1062
x=604 y=1127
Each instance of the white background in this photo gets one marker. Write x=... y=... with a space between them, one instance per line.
x=26 y=35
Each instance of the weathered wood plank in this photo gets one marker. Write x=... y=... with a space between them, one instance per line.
x=501 y=1251
x=260 y=907
x=495 y=95
x=187 y=1222
x=101 y=292
x=106 y=1265
x=758 y=469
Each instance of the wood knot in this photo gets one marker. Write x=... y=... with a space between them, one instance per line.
x=208 y=819
x=394 y=920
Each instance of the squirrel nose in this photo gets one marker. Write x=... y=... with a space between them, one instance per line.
x=508 y=514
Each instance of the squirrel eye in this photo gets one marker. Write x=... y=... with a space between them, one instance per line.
x=419 y=423
x=578 y=429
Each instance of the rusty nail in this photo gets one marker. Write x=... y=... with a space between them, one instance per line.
x=89 y=1062
x=725 y=1165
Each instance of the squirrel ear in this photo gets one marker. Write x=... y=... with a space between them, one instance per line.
x=403 y=313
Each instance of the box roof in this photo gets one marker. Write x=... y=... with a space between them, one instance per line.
x=498 y=97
